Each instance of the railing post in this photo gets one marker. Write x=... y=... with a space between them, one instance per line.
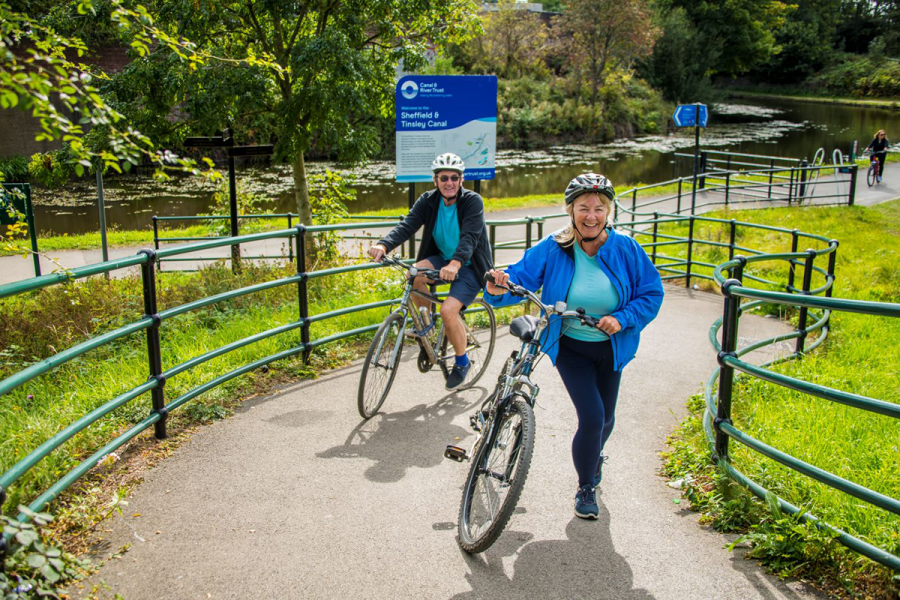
x=791 y=187
x=290 y=245
x=540 y=225
x=154 y=354
x=803 y=177
x=731 y=241
x=493 y=234
x=795 y=238
x=680 y=181
x=633 y=207
x=687 y=278
x=655 y=229
x=156 y=240
x=727 y=186
x=528 y=221
x=851 y=196
x=804 y=311
x=302 y=296
x=703 y=161
x=771 y=176
x=729 y=345
x=831 y=260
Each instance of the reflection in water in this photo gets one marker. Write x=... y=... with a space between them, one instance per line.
x=760 y=126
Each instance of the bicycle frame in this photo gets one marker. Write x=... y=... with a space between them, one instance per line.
x=411 y=312
x=516 y=374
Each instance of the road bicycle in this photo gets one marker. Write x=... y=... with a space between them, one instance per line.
x=874 y=168
x=501 y=453
x=410 y=325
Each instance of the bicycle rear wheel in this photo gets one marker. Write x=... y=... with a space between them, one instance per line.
x=481 y=334
x=870 y=176
x=496 y=478
x=380 y=366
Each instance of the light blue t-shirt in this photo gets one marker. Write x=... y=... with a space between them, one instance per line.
x=446 y=230
x=591 y=290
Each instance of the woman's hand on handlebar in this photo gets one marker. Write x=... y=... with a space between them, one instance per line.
x=500 y=278
x=609 y=325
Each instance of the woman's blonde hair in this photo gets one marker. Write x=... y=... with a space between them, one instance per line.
x=880 y=132
x=566 y=237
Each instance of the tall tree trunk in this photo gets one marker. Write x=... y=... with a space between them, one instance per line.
x=301 y=189
x=304 y=209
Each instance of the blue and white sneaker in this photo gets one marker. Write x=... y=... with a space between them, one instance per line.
x=598 y=476
x=586 y=502
x=458 y=376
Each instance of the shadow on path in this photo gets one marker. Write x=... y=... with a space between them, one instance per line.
x=583 y=565
x=416 y=437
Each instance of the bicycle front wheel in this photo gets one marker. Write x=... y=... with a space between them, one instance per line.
x=381 y=364
x=496 y=478
x=481 y=334
x=870 y=176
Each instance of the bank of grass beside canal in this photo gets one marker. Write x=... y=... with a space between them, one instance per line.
x=861 y=355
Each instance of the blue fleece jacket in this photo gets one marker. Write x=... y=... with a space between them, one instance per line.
x=551 y=267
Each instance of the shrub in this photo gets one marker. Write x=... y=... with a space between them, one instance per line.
x=14 y=170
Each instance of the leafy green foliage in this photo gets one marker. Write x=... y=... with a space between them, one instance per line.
x=860 y=76
x=14 y=170
x=52 y=169
x=330 y=195
x=35 y=568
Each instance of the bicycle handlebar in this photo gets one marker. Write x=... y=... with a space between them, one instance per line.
x=433 y=274
x=558 y=309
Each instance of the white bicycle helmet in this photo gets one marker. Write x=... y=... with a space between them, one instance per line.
x=589 y=183
x=448 y=162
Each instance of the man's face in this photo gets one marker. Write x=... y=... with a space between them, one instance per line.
x=448 y=183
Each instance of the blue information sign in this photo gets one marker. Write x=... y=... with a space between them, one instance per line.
x=686 y=115
x=446 y=113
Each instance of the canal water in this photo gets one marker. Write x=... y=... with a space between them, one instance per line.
x=781 y=128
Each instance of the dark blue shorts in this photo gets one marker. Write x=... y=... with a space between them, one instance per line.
x=467 y=284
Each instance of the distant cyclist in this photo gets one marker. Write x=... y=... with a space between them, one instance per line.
x=878 y=147
x=455 y=241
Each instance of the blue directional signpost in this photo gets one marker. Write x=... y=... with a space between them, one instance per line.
x=446 y=113
x=696 y=116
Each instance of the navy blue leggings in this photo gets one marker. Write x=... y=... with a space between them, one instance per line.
x=587 y=370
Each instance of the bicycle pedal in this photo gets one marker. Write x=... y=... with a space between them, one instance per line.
x=456 y=453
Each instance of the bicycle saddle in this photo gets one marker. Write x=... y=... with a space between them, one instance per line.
x=524 y=327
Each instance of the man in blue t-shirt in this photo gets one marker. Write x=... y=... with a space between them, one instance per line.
x=455 y=241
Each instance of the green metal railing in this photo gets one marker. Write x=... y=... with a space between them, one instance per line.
x=814 y=304
x=152 y=322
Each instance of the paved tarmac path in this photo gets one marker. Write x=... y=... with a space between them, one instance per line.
x=296 y=497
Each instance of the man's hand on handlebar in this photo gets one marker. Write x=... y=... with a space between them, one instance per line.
x=376 y=252
x=450 y=271
x=499 y=278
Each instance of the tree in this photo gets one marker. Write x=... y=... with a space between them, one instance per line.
x=679 y=64
x=331 y=75
x=513 y=43
x=805 y=40
x=606 y=35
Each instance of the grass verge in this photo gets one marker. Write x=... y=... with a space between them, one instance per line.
x=861 y=355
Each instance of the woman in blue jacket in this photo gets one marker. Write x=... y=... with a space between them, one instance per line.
x=589 y=265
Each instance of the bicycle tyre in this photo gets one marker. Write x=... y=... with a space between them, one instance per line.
x=481 y=348
x=870 y=176
x=370 y=397
x=515 y=471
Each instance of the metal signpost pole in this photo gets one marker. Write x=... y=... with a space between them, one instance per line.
x=32 y=230
x=696 y=157
x=101 y=205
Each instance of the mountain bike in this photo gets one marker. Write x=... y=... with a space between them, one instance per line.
x=501 y=453
x=874 y=168
x=409 y=325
